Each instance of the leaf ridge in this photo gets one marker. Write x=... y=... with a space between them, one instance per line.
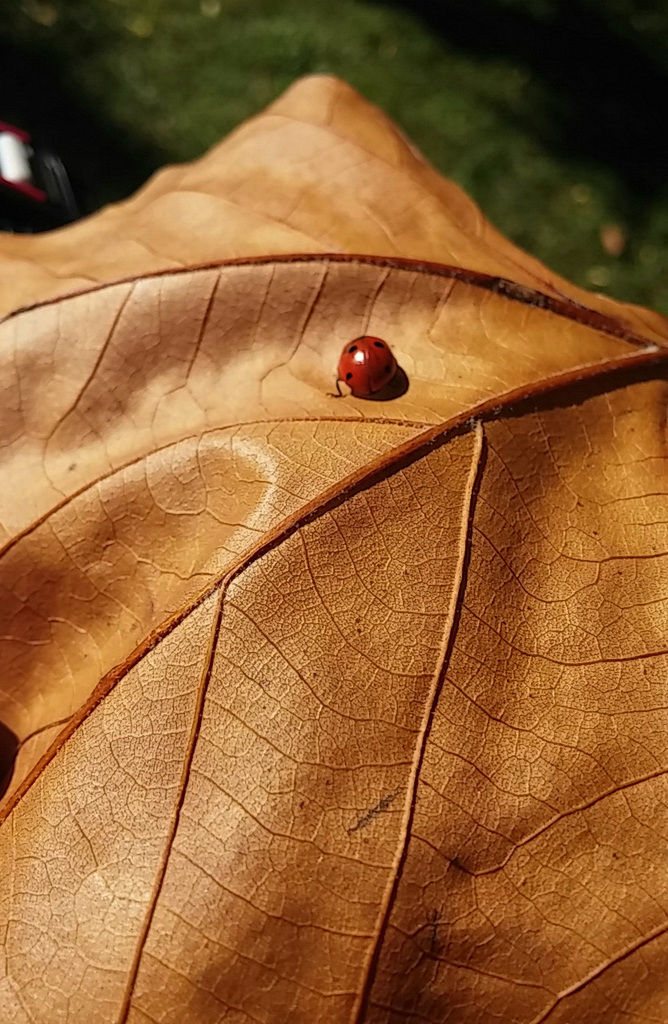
x=122 y=467
x=176 y=816
x=656 y=933
x=519 y=844
x=202 y=328
x=475 y=473
x=98 y=361
x=505 y=287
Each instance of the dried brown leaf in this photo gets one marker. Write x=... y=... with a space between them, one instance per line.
x=328 y=710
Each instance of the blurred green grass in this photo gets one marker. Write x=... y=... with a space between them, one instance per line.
x=548 y=112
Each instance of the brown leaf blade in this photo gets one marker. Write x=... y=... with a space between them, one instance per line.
x=327 y=709
x=535 y=876
x=300 y=709
x=83 y=847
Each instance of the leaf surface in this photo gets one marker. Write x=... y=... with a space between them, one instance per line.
x=320 y=170
x=328 y=709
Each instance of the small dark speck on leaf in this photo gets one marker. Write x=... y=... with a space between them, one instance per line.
x=377 y=809
x=434 y=919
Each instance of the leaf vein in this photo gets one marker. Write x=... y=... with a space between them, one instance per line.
x=368 y=975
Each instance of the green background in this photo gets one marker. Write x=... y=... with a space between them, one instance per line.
x=550 y=113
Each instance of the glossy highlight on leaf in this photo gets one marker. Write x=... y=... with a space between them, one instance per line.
x=326 y=710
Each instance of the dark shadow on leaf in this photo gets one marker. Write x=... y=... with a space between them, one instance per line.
x=105 y=163
x=9 y=746
x=577 y=393
x=397 y=387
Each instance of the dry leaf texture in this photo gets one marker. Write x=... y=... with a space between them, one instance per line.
x=328 y=710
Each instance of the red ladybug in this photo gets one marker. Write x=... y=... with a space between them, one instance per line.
x=366 y=365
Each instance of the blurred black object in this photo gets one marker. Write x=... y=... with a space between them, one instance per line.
x=104 y=162
x=35 y=190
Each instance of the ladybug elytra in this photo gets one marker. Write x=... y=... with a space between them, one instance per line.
x=366 y=365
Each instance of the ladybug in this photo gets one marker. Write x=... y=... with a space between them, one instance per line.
x=366 y=365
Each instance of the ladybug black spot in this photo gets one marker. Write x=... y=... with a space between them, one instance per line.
x=387 y=368
x=348 y=376
x=353 y=348
x=379 y=344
